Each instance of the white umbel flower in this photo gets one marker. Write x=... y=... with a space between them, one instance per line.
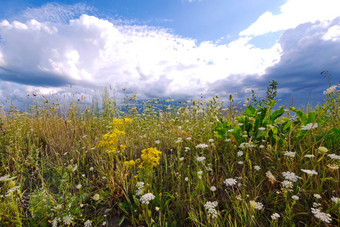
x=309 y=172
x=321 y=215
x=290 y=176
x=275 y=216
x=210 y=207
x=145 y=199
x=230 y=182
x=68 y=220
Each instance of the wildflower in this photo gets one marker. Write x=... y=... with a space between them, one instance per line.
x=181 y=158
x=75 y=168
x=230 y=182
x=189 y=138
x=55 y=222
x=317 y=196
x=309 y=172
x=290 y=176
x=186 y=179
x=295 y=197
x=95 y=197
x=200 y=172
x=323 y=149
x=179 y=140
x=213 y=188
x=330 y=90
x=227 y=140
x=256 y=205
x=129 y=163
x=157 y=142
x=210 y=207
x=321 y=215
x=157 y=208
x=287 y=184
x=140 y=188
x=334 y=156
x=244 y=136
x=145 y=199
x=315 y=205
x=200 y=159
x=309 y=156
x=211 y=140
x=262 y=128
x=68 y=220
x=79 y=186
x=202 y=145
x=240 y=162
x=309 y=126
x=333 y=167
x=335 y=199
x=230 y=130
x=239 y=153
x=257 y=168
x=261 y=146
x=150 y=157
x=271 y=177
x=240 y=124
x=275 y=216
x=187 y=149
x=88 y=223
x=91 y=169
x=290 y=154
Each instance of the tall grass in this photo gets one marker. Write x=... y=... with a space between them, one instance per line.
x=196 y=163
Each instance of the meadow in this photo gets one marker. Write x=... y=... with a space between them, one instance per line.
x=160 y=163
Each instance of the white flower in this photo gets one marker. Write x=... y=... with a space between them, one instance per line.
x=145 y=199
x=275 y=216
x=317 y=196
x=262 y=128
x=187 y=149
x=186 y=179
x=230 y=130
x=189 y=138
x=91 y=169
x=179 y=140
x=309 y=126
x=330 y=90
x=75 y=168
x=200 y=159
x=211 y=140
x=309 y=172
x=227 y=140
x=244 y=136
x=210 y=207
x=256 y=205
x=261 y=146
x=321 y=215
x=239 y=153
x=257 y=168
x=287 y=184
x=96 y=197
x=140 y=188
x=79 y=186
x=335 y=199
x=213 y=188
x=157 y=142
x=202 y=145
x=230 y=182
x=290 y=176
x=295 y=197
x=334 y=156
x=68 y=220
x=309 y=156
x=55 y=222
x=157 y=208
x=240 y=124
x=88 y=223
x=315 y=205
x=240 y=162
x=181 y=158
x=200 y=172
x=290 y=154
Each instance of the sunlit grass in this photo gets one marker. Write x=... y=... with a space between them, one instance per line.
x=196 y=163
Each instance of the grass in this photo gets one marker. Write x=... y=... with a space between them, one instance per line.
x=196 y=163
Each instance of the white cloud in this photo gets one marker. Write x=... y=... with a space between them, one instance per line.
x=292 y=14
x=94 y=52
x=333 y=33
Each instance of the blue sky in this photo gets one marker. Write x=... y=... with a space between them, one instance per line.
x=179 y=48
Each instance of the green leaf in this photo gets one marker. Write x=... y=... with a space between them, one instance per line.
x=250 y=111
x=276 y=114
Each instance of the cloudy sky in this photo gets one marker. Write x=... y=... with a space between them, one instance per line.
x=178 y=48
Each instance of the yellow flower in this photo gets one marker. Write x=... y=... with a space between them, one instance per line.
x=129 y=163
x=323 y=149
x=150 y=156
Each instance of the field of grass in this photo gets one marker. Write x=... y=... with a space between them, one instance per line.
x=196 y=163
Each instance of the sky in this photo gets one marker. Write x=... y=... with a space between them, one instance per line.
x=161 y=48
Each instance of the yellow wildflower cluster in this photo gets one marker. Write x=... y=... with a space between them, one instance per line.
x=149 y=157
x=110 y=140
